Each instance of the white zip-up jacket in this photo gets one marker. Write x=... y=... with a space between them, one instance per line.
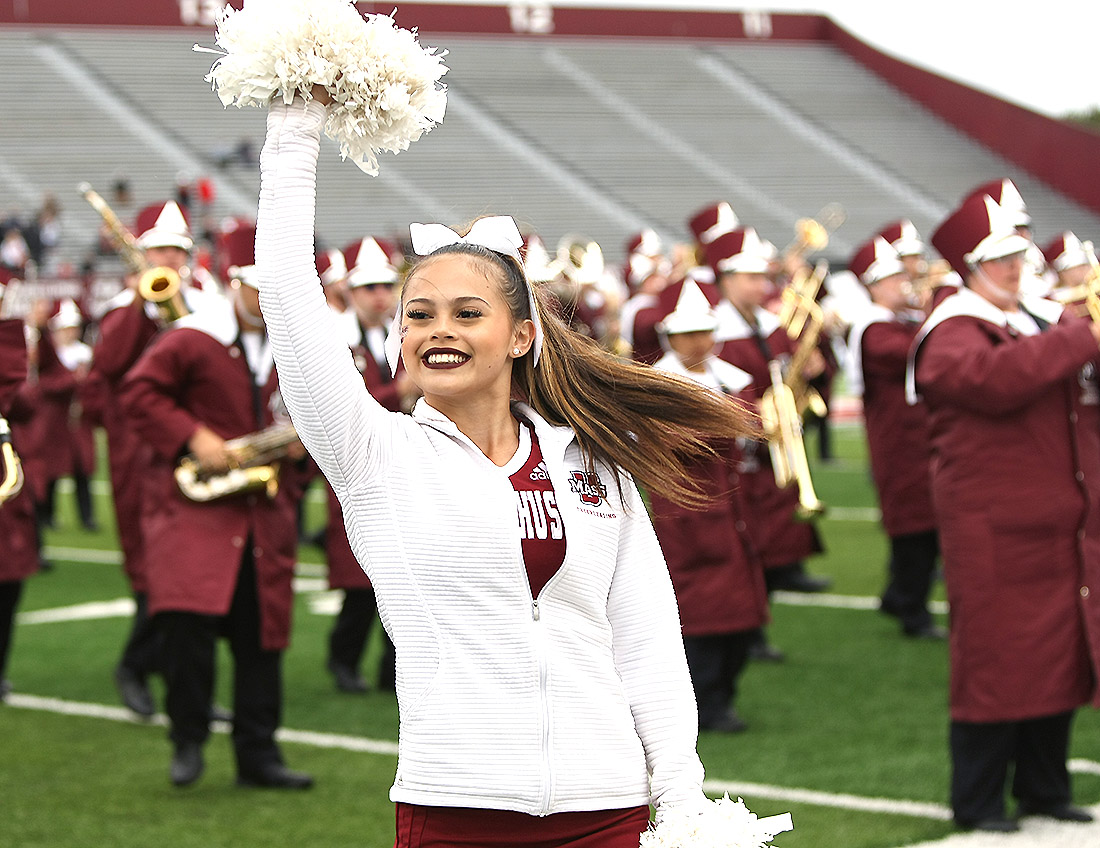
x=577 y=700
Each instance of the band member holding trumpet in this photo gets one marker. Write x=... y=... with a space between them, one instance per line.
x=1010 y=384
x=18 y=534
x=897 y=433
x=160 y=251
x=220 y=560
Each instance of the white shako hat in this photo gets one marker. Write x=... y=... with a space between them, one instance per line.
x=693 y=312
x=1067 y=251
x=713 y=221
x=163 y=225
x=1008 y=197
x=875 y=260
x=979 y=230
x=368 y=261
x=740 y=251
x=903 y=237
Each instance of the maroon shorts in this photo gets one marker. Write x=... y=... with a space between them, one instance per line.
x=461 y=827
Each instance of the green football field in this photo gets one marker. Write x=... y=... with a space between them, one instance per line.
x=849 y=734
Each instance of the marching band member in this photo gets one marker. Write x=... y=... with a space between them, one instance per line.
x=223 y=566
x=18 y=533
x=706 y=225
x=541 y=678
x=1010 y=384
x=647 y=272
x=716 y=571
x=371 y=281
x=125 y=330
x=1071 y=261
x=929 y=282
x=751 y=337
x=897 y=433
x=69 y=436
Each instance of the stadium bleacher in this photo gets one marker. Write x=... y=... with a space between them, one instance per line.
x=570 y=135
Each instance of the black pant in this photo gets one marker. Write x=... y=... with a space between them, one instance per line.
x=189 y=653
x=348 y=638
x=715 y=663
x=912 y=567
x=982 y=753
x=142 y=652
x=10 y=592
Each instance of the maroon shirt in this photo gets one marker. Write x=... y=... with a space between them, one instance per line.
x=542 y=534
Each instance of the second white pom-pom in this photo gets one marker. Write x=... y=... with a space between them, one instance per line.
x=384 y=86
x=724 y=823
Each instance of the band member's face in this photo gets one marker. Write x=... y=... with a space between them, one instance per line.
x=373 y=302
x=1001 y=275
x=693 y=349
x=1074 y=276
x=891 y=292
x=745 y=291
x=170 y=257
x=458 y=334
x=248 y=298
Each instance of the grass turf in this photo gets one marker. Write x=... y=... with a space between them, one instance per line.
x=856 y=709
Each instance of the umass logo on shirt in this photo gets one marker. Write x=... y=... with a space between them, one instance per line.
x=587 y=484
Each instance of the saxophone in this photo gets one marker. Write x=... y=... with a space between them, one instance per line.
x=255 y=468
x=12 y=481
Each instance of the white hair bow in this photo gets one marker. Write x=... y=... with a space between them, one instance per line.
x=499 y=233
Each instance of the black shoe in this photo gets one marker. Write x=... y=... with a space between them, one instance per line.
x=802 y=582
x=187 y=765
x=134 y=693
x=275 y=776
x=993 y=824
x=347 y=679
x=766 y=652
x=1061 y=812
x=930 y=632
x=731 y=722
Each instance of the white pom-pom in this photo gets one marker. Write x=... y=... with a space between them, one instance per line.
x=384 y=85
x=716 y=824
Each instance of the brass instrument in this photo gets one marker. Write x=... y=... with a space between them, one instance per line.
x=159 y=285
x=581 y=260
x=931 y=277
x=255 y=467
x=783 y=429
x=803 y=319
x=12 y=481
x=790 y=395
x=812 y=234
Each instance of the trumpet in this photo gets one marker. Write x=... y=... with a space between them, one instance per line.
x=12 y=481
x=1087 y=294
x=812 y=234
x=803 y=319
x=159 y=285
x=931 y=277
x=255 y=468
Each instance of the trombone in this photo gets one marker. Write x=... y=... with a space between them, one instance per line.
x=812 y=234
x=12 y=481
x=159 y=285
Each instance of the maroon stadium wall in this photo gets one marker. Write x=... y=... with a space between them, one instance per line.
x=1062 y=155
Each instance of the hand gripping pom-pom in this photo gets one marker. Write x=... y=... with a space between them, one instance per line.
x=384 y=86
x=715 y=824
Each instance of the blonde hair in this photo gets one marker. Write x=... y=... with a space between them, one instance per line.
x=633 y=417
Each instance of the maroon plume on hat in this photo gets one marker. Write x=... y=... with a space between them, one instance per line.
x=713 y=221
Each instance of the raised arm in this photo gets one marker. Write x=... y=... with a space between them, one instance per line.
x=337 y=420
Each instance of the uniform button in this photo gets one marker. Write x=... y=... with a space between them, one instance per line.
x=257 y=552
x=1084 y=591
x=234 y=352
x=1073 y=418
x=1079 y=476
x=740 y=525
x=238 y=542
